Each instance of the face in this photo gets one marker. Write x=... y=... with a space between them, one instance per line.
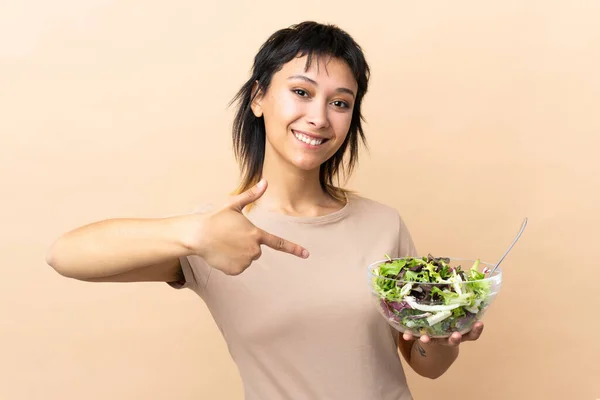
x=307 y=114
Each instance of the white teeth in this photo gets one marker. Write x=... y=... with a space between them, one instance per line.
x=308 y=140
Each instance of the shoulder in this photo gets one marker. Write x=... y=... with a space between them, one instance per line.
x=374 y=208
x=386 y=218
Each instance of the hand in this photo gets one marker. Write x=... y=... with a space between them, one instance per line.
x=228 y=241
x=454 y=340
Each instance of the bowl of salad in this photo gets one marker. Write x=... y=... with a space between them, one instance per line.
x=433 y=296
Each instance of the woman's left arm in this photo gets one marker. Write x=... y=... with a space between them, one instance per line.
x=431 y=358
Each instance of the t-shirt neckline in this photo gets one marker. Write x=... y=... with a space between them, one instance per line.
x=257 y=210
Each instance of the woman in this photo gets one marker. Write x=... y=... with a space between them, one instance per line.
x=282 y=269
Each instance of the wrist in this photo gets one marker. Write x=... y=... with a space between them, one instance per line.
x=418 y=347
x=433 y=347
x=188 y=233
x=432 y=359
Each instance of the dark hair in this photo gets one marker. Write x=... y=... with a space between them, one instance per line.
x=305 y=39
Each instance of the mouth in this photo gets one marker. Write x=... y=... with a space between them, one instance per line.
x=309 y=140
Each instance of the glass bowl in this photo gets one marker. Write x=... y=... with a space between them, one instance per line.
x=433 y=296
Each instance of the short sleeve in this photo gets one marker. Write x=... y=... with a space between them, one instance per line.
x=406 y=245
x=196 y=271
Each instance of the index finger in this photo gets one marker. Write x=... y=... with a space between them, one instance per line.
x=277 y=243
x=475 y=332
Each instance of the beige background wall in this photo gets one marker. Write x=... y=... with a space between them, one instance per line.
x=486 y=112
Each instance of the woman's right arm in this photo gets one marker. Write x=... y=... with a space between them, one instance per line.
x=125 y=250
x=135 y=250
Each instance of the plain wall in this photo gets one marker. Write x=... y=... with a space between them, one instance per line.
x=478 y=114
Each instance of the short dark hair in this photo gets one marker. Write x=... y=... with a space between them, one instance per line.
x=309 y=39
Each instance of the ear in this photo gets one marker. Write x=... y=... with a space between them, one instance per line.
x=256 y=102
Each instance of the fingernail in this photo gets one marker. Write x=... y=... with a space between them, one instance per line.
x=305 y=253
x=261 y=183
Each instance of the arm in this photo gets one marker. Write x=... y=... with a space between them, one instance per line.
x=124 y=250
x=427 y=359
x=431 y=358
x=134 y=250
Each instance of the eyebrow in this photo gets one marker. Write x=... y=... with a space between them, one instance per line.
x=307 y=79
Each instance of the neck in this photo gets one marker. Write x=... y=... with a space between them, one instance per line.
x=293 y=191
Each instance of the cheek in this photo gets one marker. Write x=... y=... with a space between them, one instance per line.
x=285 y=108
x=341 y=125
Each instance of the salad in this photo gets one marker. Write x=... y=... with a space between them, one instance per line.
x=428 y=296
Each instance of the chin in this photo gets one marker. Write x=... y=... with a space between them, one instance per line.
x=306 y=164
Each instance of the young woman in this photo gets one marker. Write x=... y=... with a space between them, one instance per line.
x=282 y=265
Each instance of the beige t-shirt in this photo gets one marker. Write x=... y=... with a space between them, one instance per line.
x=308 y=329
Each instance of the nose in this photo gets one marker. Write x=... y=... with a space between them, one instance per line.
x=317 y=115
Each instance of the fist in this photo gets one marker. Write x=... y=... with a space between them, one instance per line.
x=228 y=241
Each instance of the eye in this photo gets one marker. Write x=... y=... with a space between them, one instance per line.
x=300 y=92
x=341 y=104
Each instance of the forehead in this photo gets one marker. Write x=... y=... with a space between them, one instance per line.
x=324 y=69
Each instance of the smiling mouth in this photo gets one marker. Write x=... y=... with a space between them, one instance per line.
x=309 y=140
